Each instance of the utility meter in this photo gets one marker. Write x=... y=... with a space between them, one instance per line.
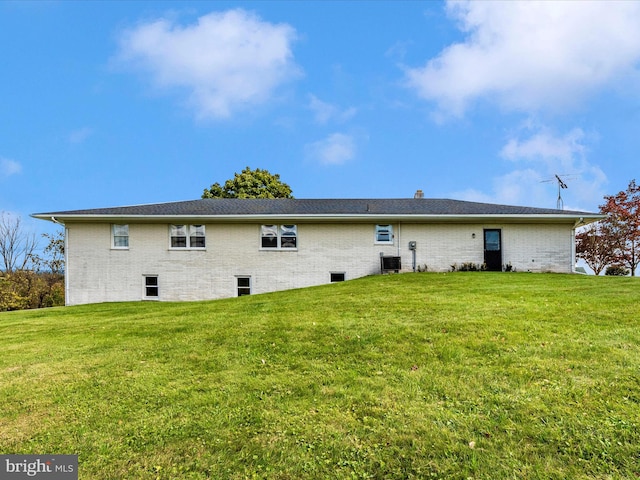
x=412 y=245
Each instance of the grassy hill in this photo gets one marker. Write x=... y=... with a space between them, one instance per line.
x=465 y=375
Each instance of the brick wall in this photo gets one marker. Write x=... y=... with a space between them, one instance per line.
x=98 y=273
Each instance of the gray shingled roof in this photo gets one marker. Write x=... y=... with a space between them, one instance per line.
x=310 y=207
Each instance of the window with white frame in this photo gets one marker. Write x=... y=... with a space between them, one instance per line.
x=196 y=236
x=384 y=234
x=120 y=236
x=187 y=236
x=279 y=237
x=151 y=287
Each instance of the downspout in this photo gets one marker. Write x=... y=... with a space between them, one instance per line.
x=413 y=255
x=573 y=244
x=573 y=250
x=66 y=265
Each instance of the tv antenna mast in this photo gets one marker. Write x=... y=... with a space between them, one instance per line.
x=561 y=186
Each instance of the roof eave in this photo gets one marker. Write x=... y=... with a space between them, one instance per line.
x=573 y=218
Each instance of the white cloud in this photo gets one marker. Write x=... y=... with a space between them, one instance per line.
x=531 y=55
x=226 y=60
x=336 y=149
x=555 y=152
x=9 y=167
x=519 y=187
x=325 y=112
x=540 y=155
x=80 y=135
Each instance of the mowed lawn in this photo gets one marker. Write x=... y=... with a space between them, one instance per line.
x=461 y=375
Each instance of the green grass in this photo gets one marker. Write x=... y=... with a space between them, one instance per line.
x=466 y=375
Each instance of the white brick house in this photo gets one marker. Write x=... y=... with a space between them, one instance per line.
x=216 y=248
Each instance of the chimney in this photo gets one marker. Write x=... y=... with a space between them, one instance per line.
x=419 y=194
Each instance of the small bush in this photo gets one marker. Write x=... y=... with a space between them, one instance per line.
x=468 y=267
x=617 y=270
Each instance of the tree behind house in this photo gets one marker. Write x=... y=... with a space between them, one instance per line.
x=622 y=225
x=250 y=184
x=27 y=279
x=17 y=247
x=595 y=246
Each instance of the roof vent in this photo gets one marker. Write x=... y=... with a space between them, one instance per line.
x=419 y=194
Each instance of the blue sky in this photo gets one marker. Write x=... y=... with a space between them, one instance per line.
x=121 y=103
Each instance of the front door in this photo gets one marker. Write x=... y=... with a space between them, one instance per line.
x=493 y=249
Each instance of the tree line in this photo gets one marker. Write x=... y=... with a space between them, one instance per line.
x=29 y=278
x=612 y=245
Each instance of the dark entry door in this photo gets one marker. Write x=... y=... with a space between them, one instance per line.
x=493 y=249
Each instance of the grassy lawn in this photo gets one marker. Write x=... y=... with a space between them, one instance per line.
x=465 y=375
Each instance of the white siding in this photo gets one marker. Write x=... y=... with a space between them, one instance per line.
x=98 y=273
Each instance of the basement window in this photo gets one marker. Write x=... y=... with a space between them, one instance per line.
x=337 y=277
x=151 y=287
x=243 y=286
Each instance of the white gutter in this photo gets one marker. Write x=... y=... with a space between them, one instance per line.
x=325 y=218
x=573 y=250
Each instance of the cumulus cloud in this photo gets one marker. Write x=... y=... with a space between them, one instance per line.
x=539 y=155
x=554 y=154
x=519 y=187
x=555 y=151
x=325 y=112
x=225 y=61
x=336 y=149
x=531 y=55
x=9 y=167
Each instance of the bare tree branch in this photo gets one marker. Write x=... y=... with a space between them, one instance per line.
x=17 y=247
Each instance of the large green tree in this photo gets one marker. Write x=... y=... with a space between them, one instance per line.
x=250 y=184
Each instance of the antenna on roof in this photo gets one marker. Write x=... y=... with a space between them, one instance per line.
x=561 y=186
